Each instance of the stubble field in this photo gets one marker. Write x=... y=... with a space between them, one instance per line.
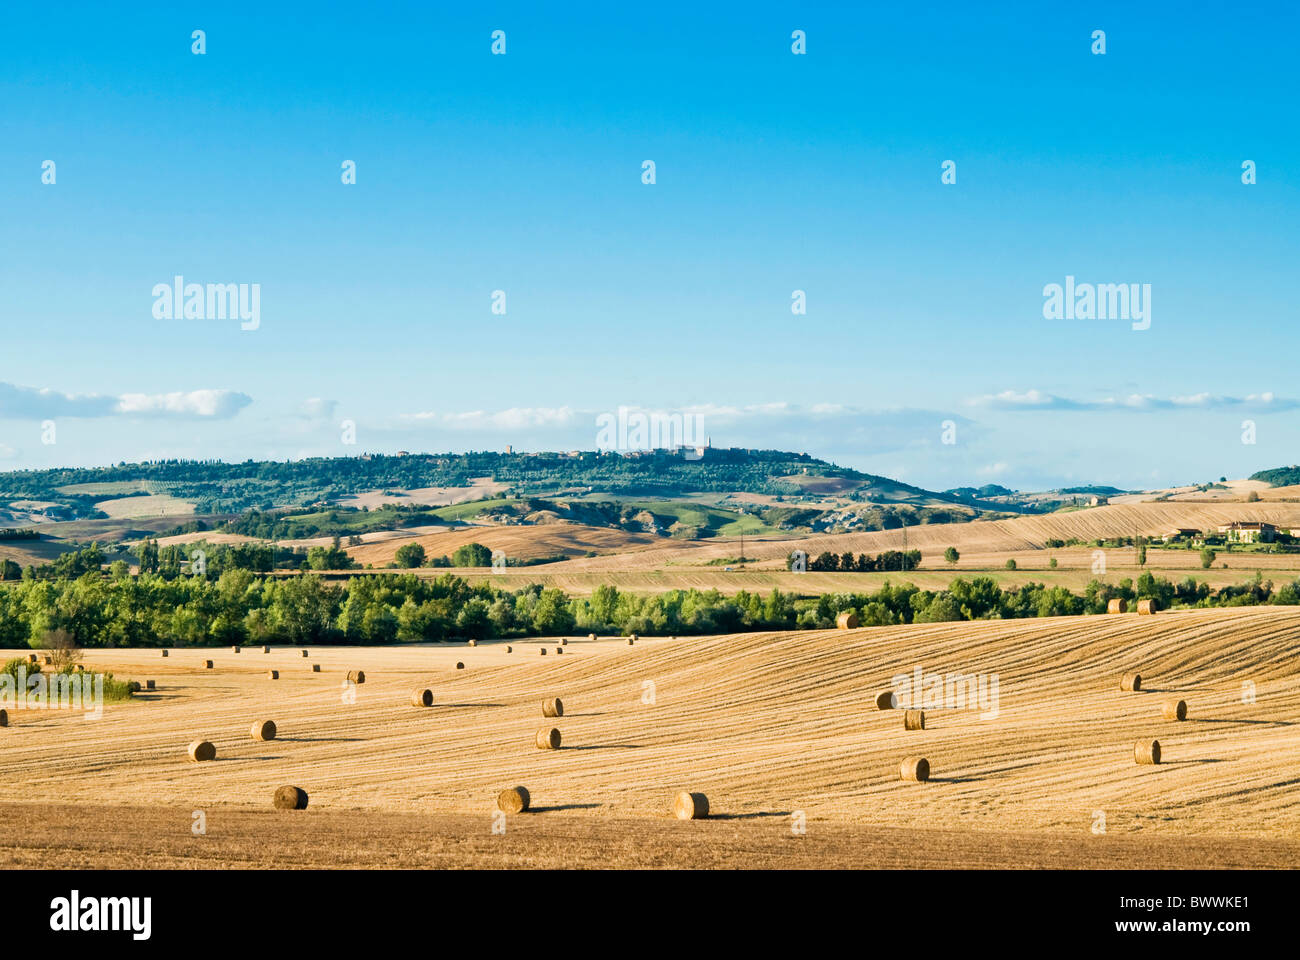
x=776 y=728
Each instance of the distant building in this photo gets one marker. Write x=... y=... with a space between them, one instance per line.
x=1182 y=533
x=1249 y=532
x=509 y=449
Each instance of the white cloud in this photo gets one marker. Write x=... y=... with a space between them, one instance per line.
x=316 y=408
x=30 y=403
x=516 y=418
x=823 y=429
x=1037 y=400
x=194 y=403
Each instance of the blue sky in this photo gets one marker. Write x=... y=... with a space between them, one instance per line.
x=774 y=172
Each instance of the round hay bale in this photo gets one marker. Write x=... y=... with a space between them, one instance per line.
x=273 y=674
x=564 y=641
x=553 y=707
x=1174 y=709
x=1147 y=751
x=81 y=668
x=31 y=658
x=460 y=665
x=202 y=751
x=1117 y=605
x=149 y=685
x=1131 y=682
x=422 y=698
x=633 y=638
x=543 y=651
x=263 y=730
x=690 y=806
x=509 y=649
x=134 y=686
x=548 y=738
x=847 y=620
x=591 y=636
x=266 y=649
x=1146 y=608
x=49 y=661
x=315 y=668
x=235 y=649
x=558 y=651
x=166 y=653
x=514 y=800
x=305 y=653
x=886 y=700
x=914 y=720
x=356 y=676
x=631 y=641
x=916 y=769
x=4 y=717
x=473 y=643
x=289 y=798
x=207 y=664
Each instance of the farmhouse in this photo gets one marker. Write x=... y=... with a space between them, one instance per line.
x=1181 y=533
x=1252 y=532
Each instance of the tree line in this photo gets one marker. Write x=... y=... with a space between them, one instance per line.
x=238 y=606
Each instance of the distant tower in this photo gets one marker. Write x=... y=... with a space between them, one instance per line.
x=509 y=449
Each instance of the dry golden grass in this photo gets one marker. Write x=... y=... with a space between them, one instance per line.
x=763 y=724
x=38 y=836
x=1073 y=571
x=520 y=542
x=32 y=552
x=986 y=538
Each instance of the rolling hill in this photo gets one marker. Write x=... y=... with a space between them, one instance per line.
x=764 y=724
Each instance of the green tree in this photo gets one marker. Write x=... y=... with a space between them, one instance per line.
x=410 y=555
x=552 y=614
x=472 y=555
x=951 y=555
x=149 y=556
x=1011 y=564
x=1207 y=558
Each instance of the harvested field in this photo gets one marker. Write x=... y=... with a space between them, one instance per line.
x=478 y=489
x=763 y=724
x=517 y=542
x=1005 y=537
x=152 y=838
x=1073 y=572
x=152 y=505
